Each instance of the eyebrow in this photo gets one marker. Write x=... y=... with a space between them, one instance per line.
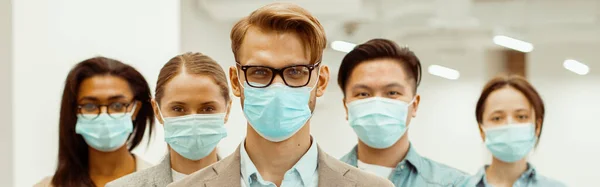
x=259 y=63
x=522 y=110
x=183 y=103
x=176 y=103
x=116 y=97
x=91 y=98
x=394 y=85
x=361 y=86
x=209 y=102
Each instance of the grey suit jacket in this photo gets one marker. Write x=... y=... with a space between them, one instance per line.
x=157 y=176
x=332 y=172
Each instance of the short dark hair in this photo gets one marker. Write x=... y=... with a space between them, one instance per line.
x=380 y=49
x=73 y=166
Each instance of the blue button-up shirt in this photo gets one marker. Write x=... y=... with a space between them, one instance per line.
x=417 y=171
x=303 y=174
x=528 y=179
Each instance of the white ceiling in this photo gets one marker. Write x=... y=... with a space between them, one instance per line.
x=445 y=23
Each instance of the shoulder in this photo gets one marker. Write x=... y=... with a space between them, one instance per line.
x=139 y=178
x=46 y=182
x=435 y=172
x=545 y=181
x=361 y=178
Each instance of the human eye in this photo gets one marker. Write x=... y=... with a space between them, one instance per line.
x=178 y=109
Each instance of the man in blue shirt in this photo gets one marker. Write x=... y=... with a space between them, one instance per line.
x=278 y=76
x=379 y=80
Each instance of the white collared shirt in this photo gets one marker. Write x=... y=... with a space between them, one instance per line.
x=176 y=176
x=303 y=174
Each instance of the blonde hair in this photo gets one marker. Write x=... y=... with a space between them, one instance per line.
x=192 y=63
x=283 y=17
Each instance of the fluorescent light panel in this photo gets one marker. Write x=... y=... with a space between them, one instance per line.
x=576 y=67
x=444 y=72
x=512 y=43
x=342 y=46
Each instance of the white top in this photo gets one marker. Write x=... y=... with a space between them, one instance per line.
x=381 y=171
x=176 y=175
x=141 y=164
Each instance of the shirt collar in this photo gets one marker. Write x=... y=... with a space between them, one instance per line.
x=529 y=174
x=306 y=166
x=413 y=159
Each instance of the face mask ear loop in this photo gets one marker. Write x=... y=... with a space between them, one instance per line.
x=238 y=77
x=160 y=113
x=412 y=101
x=317 y=83
x=132 y=110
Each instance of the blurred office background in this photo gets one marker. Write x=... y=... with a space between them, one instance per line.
x=461 y=43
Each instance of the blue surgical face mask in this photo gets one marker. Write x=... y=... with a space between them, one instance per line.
x=105 y=133
x=194 y=136
x=512 y=142
x=378 y=122
x=277 y=112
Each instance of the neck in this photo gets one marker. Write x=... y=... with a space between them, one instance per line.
x=273 y=159
x=388 y=157
x=117 y=163
x=187 y=166
x=500 y=172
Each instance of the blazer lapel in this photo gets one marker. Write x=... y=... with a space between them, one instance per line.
x=163 y=176
x=227 y=172
x=330 y=173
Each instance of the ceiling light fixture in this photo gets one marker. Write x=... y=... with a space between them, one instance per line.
x=444 y=72
x=512 y=43
x=576 y=67
x=342 y=46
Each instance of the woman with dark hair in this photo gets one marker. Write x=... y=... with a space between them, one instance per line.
x=510 y=113
x=192 y=102
x=105 y=110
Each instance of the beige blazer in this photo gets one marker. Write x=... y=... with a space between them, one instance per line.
x=157 y=176
x=332 y=173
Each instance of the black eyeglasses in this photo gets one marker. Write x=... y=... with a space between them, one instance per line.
x=115 y=110
x=293 y=76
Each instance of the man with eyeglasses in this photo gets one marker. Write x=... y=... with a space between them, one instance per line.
x=278 y=75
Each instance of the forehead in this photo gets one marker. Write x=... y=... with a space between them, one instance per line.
x=103 y=87
x=191 y=88
x=272 y=48
x=378 y=72
x=506 y=99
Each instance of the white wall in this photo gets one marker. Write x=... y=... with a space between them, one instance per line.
x=569 y=146
x=51 y=36
x=6 y=96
